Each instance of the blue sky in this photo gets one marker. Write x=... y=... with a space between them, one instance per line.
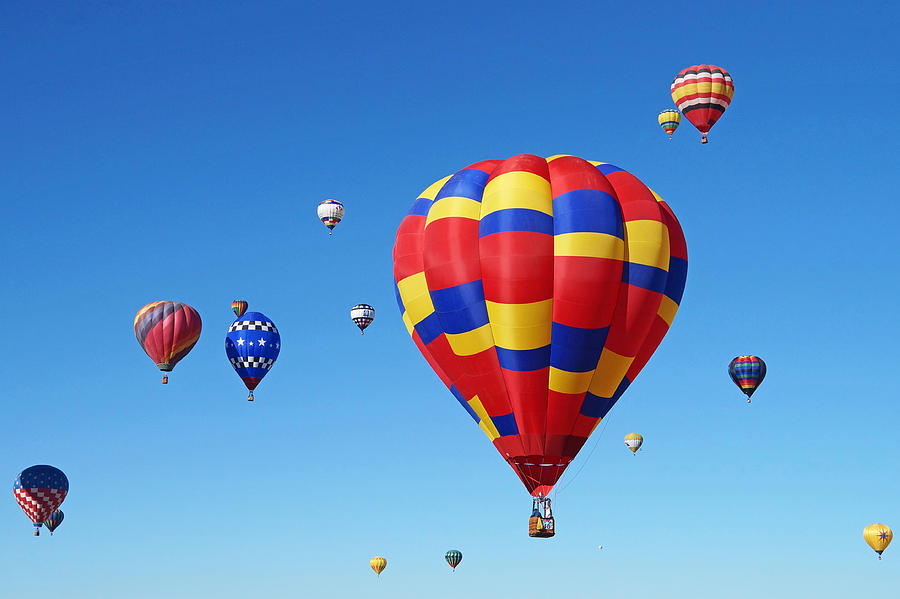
x=178 y=151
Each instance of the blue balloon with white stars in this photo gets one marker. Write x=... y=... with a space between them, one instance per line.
x=252 y=346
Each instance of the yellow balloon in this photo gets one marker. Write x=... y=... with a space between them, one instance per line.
x=878 y=536
x=378 y=564
x=633 y=441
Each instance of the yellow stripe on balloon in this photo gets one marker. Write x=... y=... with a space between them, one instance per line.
x=432 y=190
x=667 y=310
x=453 y=207
x=611 y=369
x=485 y=422
x=563 y=381
x=414 y=293
x=408 y=323
x=471 y=342
x=521 y=326
x=589 y=245
x=182 y=346
x=146 y=309
x=648 y=243
x=517 y=189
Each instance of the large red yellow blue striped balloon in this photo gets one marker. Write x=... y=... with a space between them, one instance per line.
x=702 y=93
x=537 y=289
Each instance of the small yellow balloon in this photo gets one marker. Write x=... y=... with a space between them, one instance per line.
x=878 y=536
x=634 y=441
x=378 y=564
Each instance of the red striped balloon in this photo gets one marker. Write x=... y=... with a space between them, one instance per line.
x=702 y=93
x=167 y=331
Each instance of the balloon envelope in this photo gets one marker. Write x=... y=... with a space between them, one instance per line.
x=669 y=121
x=167 y=331
x=378 y=564
x=39 y=491
x=55 y=519
x=702 y=93
x=252 y=346
x=453 y=558
x=748 y=373
x=537 y=289
x=878 y=536
x=362 y=315
x=634 y=441
x=239 y=307
x=330 y=212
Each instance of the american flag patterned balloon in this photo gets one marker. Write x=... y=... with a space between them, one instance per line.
x=252 y=346
x=39 y=491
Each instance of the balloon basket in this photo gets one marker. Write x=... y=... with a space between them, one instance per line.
x=250 y=397
x=165 y=380
x=541 y=524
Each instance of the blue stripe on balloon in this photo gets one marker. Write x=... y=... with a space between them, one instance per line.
x=524 y=360
x=421 y=207
x=587 y=210
x=607 y=169
x=506 y=424
x=464 y=403
x=461 y=308
x=575 y=349
x=515 y=219
x=597 y=407
x=467 y=183
x=645 y=277
x=676 y=279
x=429 y=328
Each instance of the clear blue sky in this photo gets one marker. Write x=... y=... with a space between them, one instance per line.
x=178 y=151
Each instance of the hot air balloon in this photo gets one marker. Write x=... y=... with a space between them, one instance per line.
x=378 y=564
x=330 y=213
x=252 y=346
x=362 y=315
x=537 y=289
x=748 y=373
x=239 y=307
x=167 y=331
x=702 y=93
x=633 y=441
x=669 y=120
x=39 y=491
x=53 y=522
x=878 y=536
x=453 y=558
